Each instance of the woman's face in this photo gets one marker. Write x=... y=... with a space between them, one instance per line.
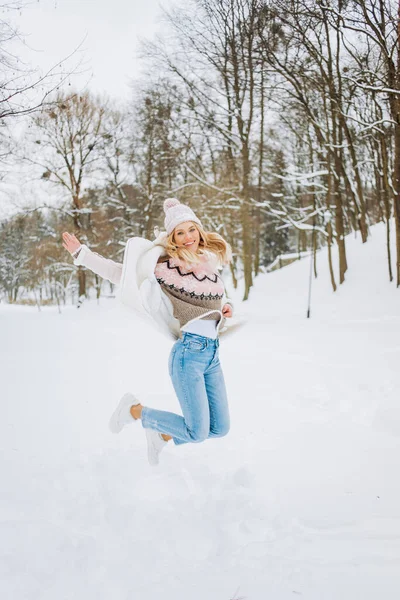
x=186 y=235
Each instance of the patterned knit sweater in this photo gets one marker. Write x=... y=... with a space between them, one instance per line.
x=196 y=291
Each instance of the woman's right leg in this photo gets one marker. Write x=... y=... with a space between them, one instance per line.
x=187 y=373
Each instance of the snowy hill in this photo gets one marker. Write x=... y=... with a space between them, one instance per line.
x=301 y=499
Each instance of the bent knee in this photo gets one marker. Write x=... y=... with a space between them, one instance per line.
x=221 y=431
x=198 y=435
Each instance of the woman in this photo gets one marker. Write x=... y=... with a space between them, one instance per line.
x=175 y=281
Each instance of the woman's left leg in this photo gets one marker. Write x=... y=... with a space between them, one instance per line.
x=217 y=399
x=199 y=383
x=187 y=364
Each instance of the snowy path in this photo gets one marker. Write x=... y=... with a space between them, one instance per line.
x=302 y=499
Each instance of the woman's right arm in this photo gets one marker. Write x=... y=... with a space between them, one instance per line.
x=106 y=268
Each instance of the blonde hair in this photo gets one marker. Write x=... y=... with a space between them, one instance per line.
x=209 y=242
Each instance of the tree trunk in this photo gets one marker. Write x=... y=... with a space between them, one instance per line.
x=247 y=259
x=232 y=267
x=98 y=287
x=257 y=222
x=396 y=103
x=386 y=194
x=397 y=199
x=329 y=226
x=82 y=282
x=246 y=225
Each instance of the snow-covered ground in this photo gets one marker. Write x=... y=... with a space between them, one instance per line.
x=301 y=499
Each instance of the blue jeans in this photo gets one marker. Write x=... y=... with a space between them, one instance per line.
x=199 y=384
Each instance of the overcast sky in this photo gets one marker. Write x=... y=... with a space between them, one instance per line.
x=109 y=30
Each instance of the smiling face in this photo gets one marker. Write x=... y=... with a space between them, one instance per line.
x=186 y=235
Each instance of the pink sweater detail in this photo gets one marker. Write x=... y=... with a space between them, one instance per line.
x=199 y=279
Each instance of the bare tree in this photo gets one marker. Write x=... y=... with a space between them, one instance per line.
x=24 y=89
x=218 y=67
x=68 y=138
x=155 y=149
x=377 y=24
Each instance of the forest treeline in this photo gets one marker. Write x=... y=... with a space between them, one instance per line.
x=278 y=122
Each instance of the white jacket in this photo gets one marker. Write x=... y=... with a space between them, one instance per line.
x=139 y=288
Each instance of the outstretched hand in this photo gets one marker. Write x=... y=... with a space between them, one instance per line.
x=70 y=242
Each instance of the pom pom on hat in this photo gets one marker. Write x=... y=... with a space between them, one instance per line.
x=177 y=213
x=169 y=203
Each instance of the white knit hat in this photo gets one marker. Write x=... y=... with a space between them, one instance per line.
x=177 y=213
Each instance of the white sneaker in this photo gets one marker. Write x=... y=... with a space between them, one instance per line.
x=121 y=415
x=155 y=444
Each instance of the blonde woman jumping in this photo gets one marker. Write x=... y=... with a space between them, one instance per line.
x=175 y=282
